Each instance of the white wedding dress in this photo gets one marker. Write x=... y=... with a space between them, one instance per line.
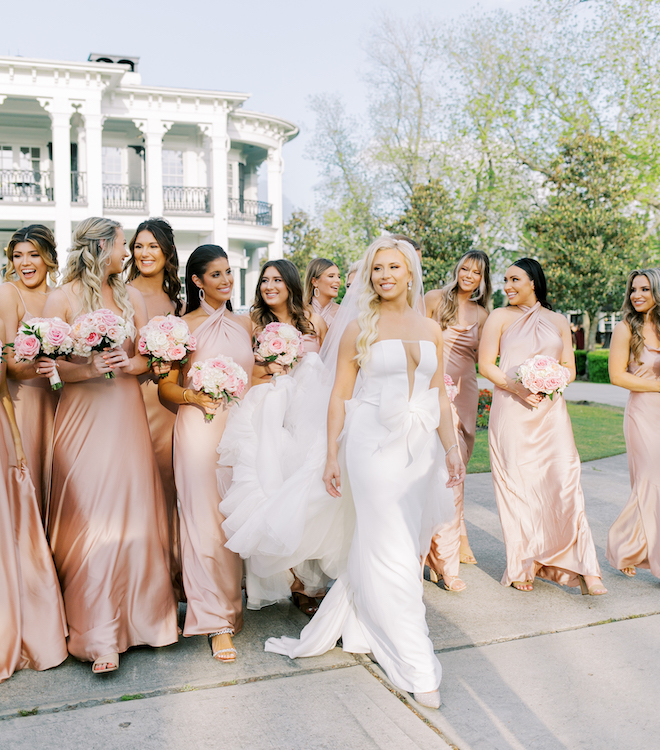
x=393 y=475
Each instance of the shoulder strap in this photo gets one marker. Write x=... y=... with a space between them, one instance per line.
x=25 y=309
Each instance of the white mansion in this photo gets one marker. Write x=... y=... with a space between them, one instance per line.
x=88 y=139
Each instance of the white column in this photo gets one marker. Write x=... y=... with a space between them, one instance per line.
x=275 y=169
x=219 y=148
x=94 y=162
x=61 y=129
x=153 y=138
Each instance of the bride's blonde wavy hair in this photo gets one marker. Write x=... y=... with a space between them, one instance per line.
x=93 y=242
x=369 y=300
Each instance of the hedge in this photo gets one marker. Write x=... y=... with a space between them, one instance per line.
x=597 y=366
x=580 y=362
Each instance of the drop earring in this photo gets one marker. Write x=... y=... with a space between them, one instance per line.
x=202 y=295
x=316 y=291
x=409 y=285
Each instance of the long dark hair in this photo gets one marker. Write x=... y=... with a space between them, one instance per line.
x=533 y=269
x=635 y=320
x=164 y=236
x=261 y=313
x=197 y=264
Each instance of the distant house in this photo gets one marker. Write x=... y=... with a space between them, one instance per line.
x=88 y=139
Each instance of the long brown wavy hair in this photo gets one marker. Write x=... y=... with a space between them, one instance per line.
x=43 y=241
x=315 y=268
x=261 y=313
x=447 y=313
x=164 y=236
x=635 y=320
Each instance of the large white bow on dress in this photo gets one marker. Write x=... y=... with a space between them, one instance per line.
x=409 y=420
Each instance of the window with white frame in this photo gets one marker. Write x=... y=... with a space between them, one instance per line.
x=172 y=168
x=6 y=157
x=112 y=165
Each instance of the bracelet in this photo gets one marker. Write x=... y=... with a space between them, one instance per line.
x=455 y=445
x=185 y=400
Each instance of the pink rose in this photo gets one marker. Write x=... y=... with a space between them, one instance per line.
x=27 y=347
x=192 y=344
x=277 y=345
x=542 y=363
x=552 y=382
x=142 y=345
x=537 y=385
x=166 y=325
x=107 y=316
x=56 y=336
x=175 y=353
x=197 y=380
x=93 y=339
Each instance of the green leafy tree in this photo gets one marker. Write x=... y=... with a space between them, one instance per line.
x=589 y=234
x=301 y=240
x=432 y=220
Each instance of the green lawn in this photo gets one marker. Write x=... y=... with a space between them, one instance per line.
x=598 y=431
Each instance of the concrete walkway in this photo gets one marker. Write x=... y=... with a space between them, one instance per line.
x=545 y=670
x=578 y=390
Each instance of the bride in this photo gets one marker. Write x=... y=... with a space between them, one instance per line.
x=384 y=451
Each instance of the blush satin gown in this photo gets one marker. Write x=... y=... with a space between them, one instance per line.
x=536 y=469
x=395 y=474
x=107 y=521
x=34 y=405
x=328 y=312
x=634 y=538
x=161 y=417
x=211 y=573
x=460 y=353
x=32 y=620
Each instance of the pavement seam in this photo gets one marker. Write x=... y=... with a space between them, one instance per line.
x=366 y=661
x=55 y=709
x=539 y=633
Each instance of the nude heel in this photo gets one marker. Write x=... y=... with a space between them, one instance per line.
x=593 y=591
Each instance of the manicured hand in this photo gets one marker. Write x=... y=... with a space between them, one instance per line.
x=455 y=468
x=45 y=366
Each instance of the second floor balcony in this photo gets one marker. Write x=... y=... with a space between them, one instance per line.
x=26 y=186
x=196 y=200
x=117 y=197
x=251 y=212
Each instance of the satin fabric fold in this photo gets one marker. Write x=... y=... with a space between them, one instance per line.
x=161 y=417
x=32 y=620
x=211 y=573
x=536 y=469
x=107 y=521
x=34 y=405
x=328 y=312
x=460 y=353
x=634 y=538
x=376 y=603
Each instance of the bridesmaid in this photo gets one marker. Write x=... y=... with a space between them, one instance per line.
x=322 y=282
x=461 y=310
x=211 y=573
x=535 y=464
x=279 y=298
x=32 y=615
x=153 y=270
x=634 y=539
x=108 y=526
x=31 y=262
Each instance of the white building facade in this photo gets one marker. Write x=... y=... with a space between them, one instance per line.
x=88 y=139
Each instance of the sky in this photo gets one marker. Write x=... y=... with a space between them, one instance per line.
x=279 y=51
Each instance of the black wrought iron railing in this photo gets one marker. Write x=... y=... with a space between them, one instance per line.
x=26 y=185
x=123 y=197
x=187 y=199
x=78 y=187
x=251 y=212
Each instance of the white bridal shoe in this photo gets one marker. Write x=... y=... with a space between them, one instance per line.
x=430 y=700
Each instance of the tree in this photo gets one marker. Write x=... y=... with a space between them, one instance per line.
x=589 y=234
x=432 y=221
x=301 y=240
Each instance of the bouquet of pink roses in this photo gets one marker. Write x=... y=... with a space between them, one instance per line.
x=98 y=331
x=452 y=390
x=543 y=374
x=166 y=338
x=43 y=337
x=219 y=377
x=281 y=343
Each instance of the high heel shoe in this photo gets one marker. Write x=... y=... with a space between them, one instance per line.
x=308 y=605
x=451 y=583
x=597 y=590
x=466 y=556
x=629 y=571
x=109 y=662
x=430 y=700
x=223 y=654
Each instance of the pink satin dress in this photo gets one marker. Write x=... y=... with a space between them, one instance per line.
x=34 y=404
x=211 y=573
x=107 y=520
x=536 y=469
x=634 y=538
x=328 y=312
x=161 y=417
x=32 y=621
x=460 y=353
